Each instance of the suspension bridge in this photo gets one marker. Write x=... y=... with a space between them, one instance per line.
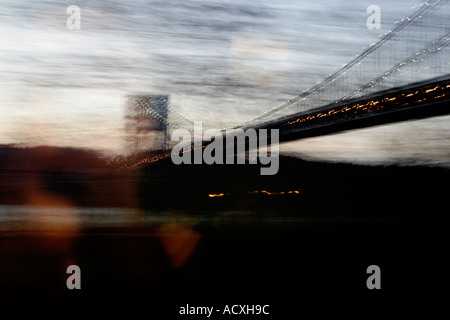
x=404 y=75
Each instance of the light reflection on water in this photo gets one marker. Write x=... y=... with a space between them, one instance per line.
x=16 y=218
x=29 y=218
x=32 y=219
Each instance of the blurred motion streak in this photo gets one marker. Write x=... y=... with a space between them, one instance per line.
x=263 y=192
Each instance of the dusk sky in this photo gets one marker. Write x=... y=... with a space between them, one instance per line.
x=222 y=62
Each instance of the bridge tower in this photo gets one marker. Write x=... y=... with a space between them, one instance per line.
x=146 y=122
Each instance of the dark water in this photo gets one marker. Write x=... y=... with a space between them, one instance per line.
x=156 y=235
x=316 y=252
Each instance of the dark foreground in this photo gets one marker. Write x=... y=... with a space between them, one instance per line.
x=288 y=251
x=287 y=265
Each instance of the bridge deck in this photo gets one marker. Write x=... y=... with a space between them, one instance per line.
x=416 y=101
